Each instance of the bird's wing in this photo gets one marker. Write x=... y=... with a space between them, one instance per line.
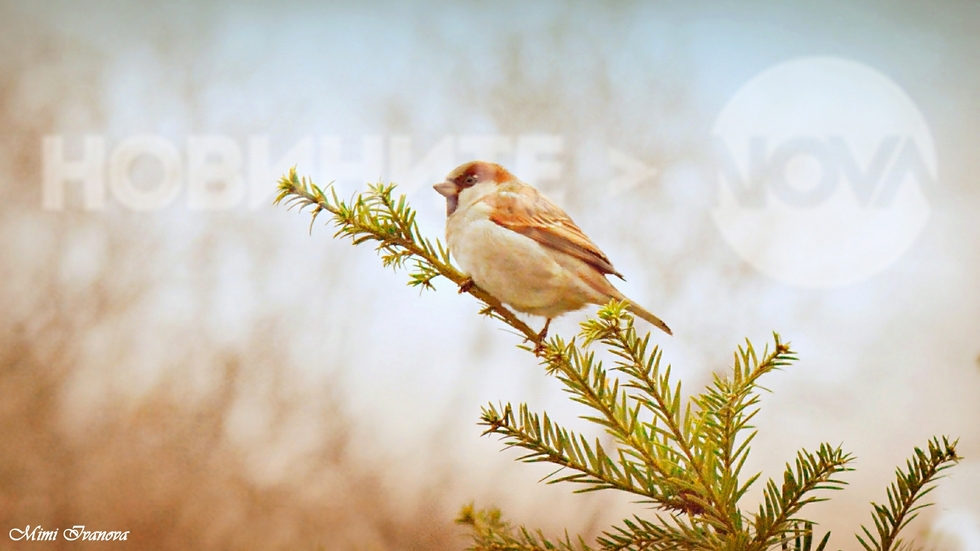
x=521 y=208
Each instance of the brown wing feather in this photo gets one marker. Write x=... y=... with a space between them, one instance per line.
x=522 y=209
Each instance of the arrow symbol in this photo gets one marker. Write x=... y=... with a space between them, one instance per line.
x=631 y=172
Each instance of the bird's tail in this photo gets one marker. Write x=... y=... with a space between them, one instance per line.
x=639 y=311
x=595 y=279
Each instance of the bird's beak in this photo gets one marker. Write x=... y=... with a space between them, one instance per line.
x=446 y=189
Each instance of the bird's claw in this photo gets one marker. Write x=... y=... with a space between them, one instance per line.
x=466 y=285
x=539 y=347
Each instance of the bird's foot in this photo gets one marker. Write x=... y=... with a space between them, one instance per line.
x=539 y=339
x=466 y=285
x=544 y=332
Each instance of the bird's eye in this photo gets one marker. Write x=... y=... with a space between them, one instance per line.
x=471 y=179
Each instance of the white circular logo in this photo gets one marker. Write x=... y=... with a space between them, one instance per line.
x=825 y=171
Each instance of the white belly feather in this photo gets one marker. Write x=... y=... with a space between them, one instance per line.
x=516 y=269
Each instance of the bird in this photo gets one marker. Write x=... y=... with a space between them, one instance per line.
x=521 y=248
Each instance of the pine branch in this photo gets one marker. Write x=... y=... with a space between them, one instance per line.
x=679 y=429
x=546 y=441
x=727 y=407
x=491 y=533
x=378 y=217
x=812 y=472
x=909 y=487
x=588 y=383
x=647 y=462
x=641 y=534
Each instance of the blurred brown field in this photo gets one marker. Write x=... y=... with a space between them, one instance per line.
x=165 y=465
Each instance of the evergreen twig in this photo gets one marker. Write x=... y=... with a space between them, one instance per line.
x=904 y=494
x=380 y=217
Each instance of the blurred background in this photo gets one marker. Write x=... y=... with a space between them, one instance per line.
x=182 y=360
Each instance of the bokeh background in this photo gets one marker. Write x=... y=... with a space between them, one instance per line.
x=216 y=378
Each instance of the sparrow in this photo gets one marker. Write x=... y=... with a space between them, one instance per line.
x=517 y=245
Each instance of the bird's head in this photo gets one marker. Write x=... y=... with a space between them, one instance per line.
x=475 y=178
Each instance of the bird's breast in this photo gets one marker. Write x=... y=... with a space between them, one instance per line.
x=516 y=269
